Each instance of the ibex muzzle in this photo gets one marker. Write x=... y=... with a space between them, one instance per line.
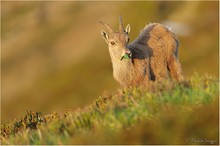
x=150 y=57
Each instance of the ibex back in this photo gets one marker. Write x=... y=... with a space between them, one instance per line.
x=150 y=57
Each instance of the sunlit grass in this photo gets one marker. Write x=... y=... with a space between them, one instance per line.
x=165 y=113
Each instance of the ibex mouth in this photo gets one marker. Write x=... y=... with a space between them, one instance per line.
x=126 y=56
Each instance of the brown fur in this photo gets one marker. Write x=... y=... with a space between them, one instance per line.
x=154 y=55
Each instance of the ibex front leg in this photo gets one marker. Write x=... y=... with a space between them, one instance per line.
x=141 y=71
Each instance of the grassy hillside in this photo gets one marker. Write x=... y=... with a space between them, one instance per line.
x=163 y=113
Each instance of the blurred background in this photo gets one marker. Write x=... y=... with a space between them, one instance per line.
x=53 y=57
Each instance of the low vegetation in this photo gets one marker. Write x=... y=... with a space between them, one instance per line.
x=165 y=113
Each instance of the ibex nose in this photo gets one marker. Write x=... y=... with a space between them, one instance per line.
x=128 y=52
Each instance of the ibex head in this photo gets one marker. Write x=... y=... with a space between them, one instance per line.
x=117 y=41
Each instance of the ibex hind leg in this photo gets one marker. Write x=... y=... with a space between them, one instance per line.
x=174 y=68
x=158 y=69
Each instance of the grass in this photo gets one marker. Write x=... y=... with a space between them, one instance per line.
x=164 y=113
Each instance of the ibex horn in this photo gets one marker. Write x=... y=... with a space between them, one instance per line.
x=109 y=28
x=121 y=27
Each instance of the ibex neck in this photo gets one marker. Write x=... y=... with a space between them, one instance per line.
x=123 y=71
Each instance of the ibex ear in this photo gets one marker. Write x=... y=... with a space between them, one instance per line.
x=128 y=29
x=104 y=35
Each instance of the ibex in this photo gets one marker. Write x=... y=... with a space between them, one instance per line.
x=150 y=57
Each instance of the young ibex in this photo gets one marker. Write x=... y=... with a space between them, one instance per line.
x=150 y=57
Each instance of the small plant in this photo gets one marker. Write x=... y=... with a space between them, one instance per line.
x=29 y=121
x=126 y=56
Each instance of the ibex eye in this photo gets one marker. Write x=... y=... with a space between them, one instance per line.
x=112 y=43
x=128 y=39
